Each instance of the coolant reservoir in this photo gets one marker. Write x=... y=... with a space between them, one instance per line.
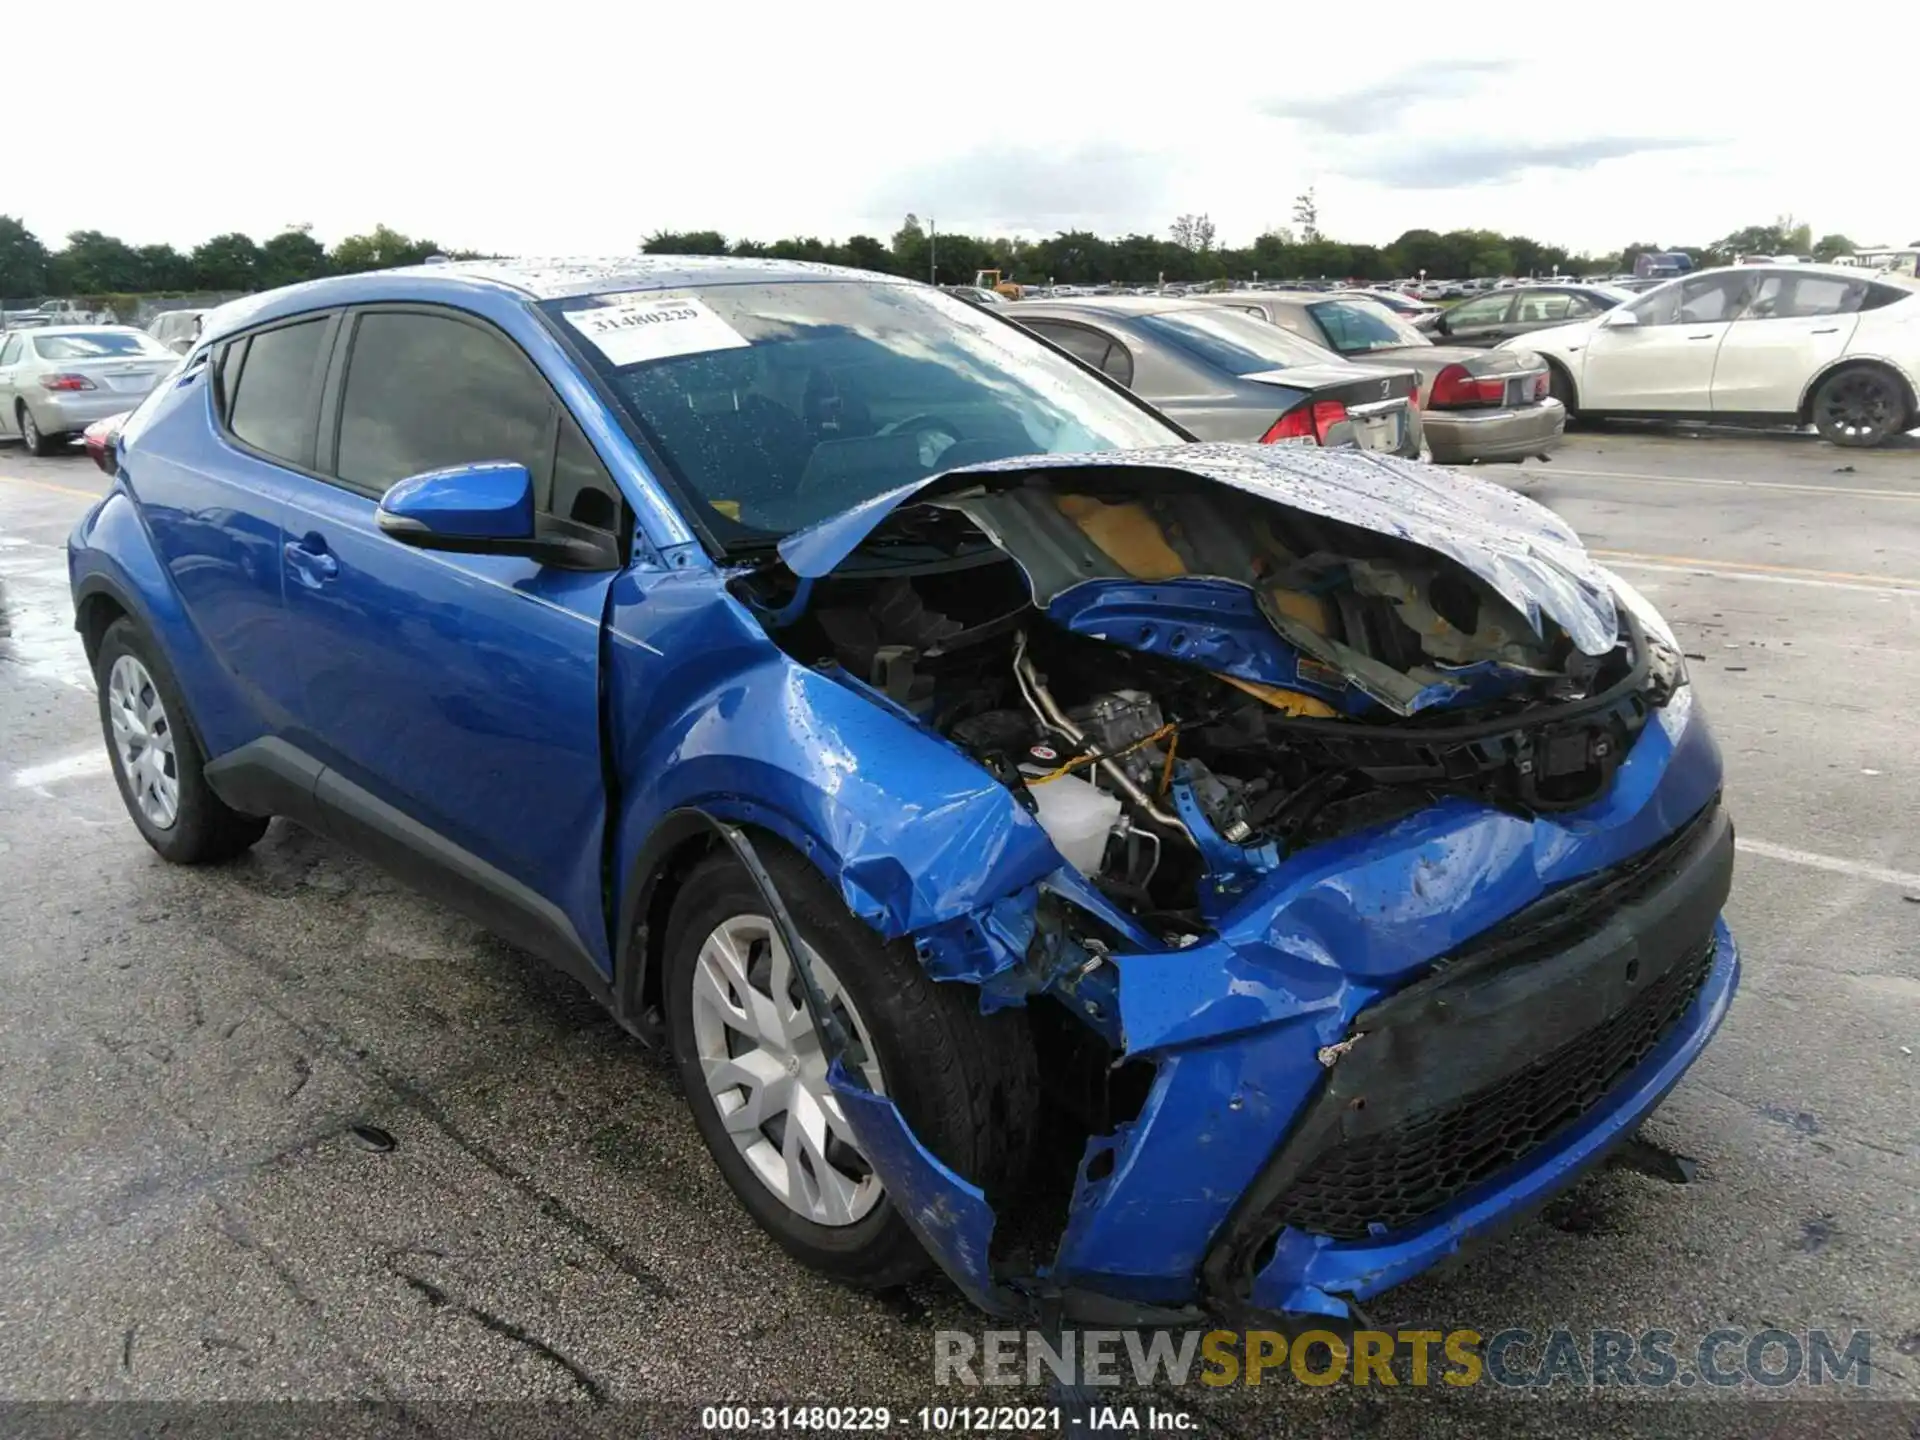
x=1078 y=817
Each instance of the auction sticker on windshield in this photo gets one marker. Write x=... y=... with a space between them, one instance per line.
x=654 y=328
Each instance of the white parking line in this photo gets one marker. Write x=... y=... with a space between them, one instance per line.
x=1617 y=561
x=1858 y=869
x=1547 y=472
x=71 y=767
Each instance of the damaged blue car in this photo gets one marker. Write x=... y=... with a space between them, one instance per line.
x=1147 y=879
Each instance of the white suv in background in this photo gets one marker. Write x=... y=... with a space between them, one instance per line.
x=1754 y=344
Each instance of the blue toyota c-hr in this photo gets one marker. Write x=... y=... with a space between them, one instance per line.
x=951 y=763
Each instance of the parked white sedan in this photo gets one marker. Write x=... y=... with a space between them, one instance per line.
x=1755 y=344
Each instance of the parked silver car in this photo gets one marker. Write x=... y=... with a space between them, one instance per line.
x=1478 y=405
x=1226 y=376
x=55 y=382
x=177 y=329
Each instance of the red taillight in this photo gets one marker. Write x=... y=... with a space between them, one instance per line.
x=66 y=382
x=1454 y=389
x=1542 y=385
x=1304 y=424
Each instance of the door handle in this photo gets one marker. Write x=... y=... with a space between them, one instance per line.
x=1828 y=330
x=309 y=561
x=1707 y=336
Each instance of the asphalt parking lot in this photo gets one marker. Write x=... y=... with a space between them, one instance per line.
x=187 y=1211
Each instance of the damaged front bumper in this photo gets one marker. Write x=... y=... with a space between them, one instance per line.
x=1395 y=1042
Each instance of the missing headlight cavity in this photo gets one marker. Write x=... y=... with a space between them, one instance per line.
x=1087 y=1094
x=1185 y=685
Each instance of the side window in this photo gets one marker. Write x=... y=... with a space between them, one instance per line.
x=1547 y=307
x=582 y=488
x=1713 y=298
x=10 y=352
x=1660 y=306
x=1879 y=293
x=1580 y=306
x=226 y=373
x=1084 y=344
x=271 y=401
x=1096 y=349
x=1490 y=310
x=425 y=392
x=1817 y=295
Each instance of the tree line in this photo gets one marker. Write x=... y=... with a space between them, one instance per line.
x=96 y=264
x=1190 y=253
x=91 y=263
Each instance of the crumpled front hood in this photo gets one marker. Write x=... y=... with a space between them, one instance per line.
x=1525 y=552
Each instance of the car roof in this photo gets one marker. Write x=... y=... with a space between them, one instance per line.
x=33 y=330
x=1111 y=304
x=531 y=279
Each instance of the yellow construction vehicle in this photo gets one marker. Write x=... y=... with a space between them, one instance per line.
x=990 y=280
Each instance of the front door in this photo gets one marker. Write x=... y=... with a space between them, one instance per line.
x=454 y=698
x=1794 y=326
x=1665 y=362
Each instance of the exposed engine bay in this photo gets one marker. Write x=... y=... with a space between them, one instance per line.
x=1185 y=686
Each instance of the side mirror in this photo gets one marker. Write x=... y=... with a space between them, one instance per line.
x=485 y=509
x=1440 y=325
x=1621 y=319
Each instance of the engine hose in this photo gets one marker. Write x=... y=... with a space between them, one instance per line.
x=1050 y=715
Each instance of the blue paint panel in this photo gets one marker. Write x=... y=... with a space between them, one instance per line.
x=1307 y=1272
x=949 y=1216
x=484 y=501
x=1215 y=624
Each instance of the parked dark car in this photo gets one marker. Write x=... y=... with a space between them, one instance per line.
x=1489 y=319
x=1228 y=377
x=1251 y=872
x=1476 y=405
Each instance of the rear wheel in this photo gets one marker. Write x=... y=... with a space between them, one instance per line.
x=1859 y=407
x=38 y=441
x=755 y=1072
x=156 y=759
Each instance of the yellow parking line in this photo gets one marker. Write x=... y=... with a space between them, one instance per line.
x=1885 y=582
x=48 y=485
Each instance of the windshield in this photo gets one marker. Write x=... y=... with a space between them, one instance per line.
x=778 y=405
x=1356 y=325
x=1233 y=340
x=99 y=345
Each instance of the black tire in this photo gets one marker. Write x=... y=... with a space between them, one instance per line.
x=966 y=1082
x=1560 y=387
x=38 y=441
x=1860 y=407
x=204 y=828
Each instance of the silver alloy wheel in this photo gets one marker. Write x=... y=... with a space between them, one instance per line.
x=767 y=1072
x=29 y=431
x=143 y=742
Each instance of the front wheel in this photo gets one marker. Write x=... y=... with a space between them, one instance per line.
x=755 y=1072
x=156 y=759
x=1560 y=387
x=1860 y=408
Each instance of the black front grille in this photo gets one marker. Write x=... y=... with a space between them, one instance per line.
x=1397 y=1177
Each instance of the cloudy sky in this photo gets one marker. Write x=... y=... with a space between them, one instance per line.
x=577 y=126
